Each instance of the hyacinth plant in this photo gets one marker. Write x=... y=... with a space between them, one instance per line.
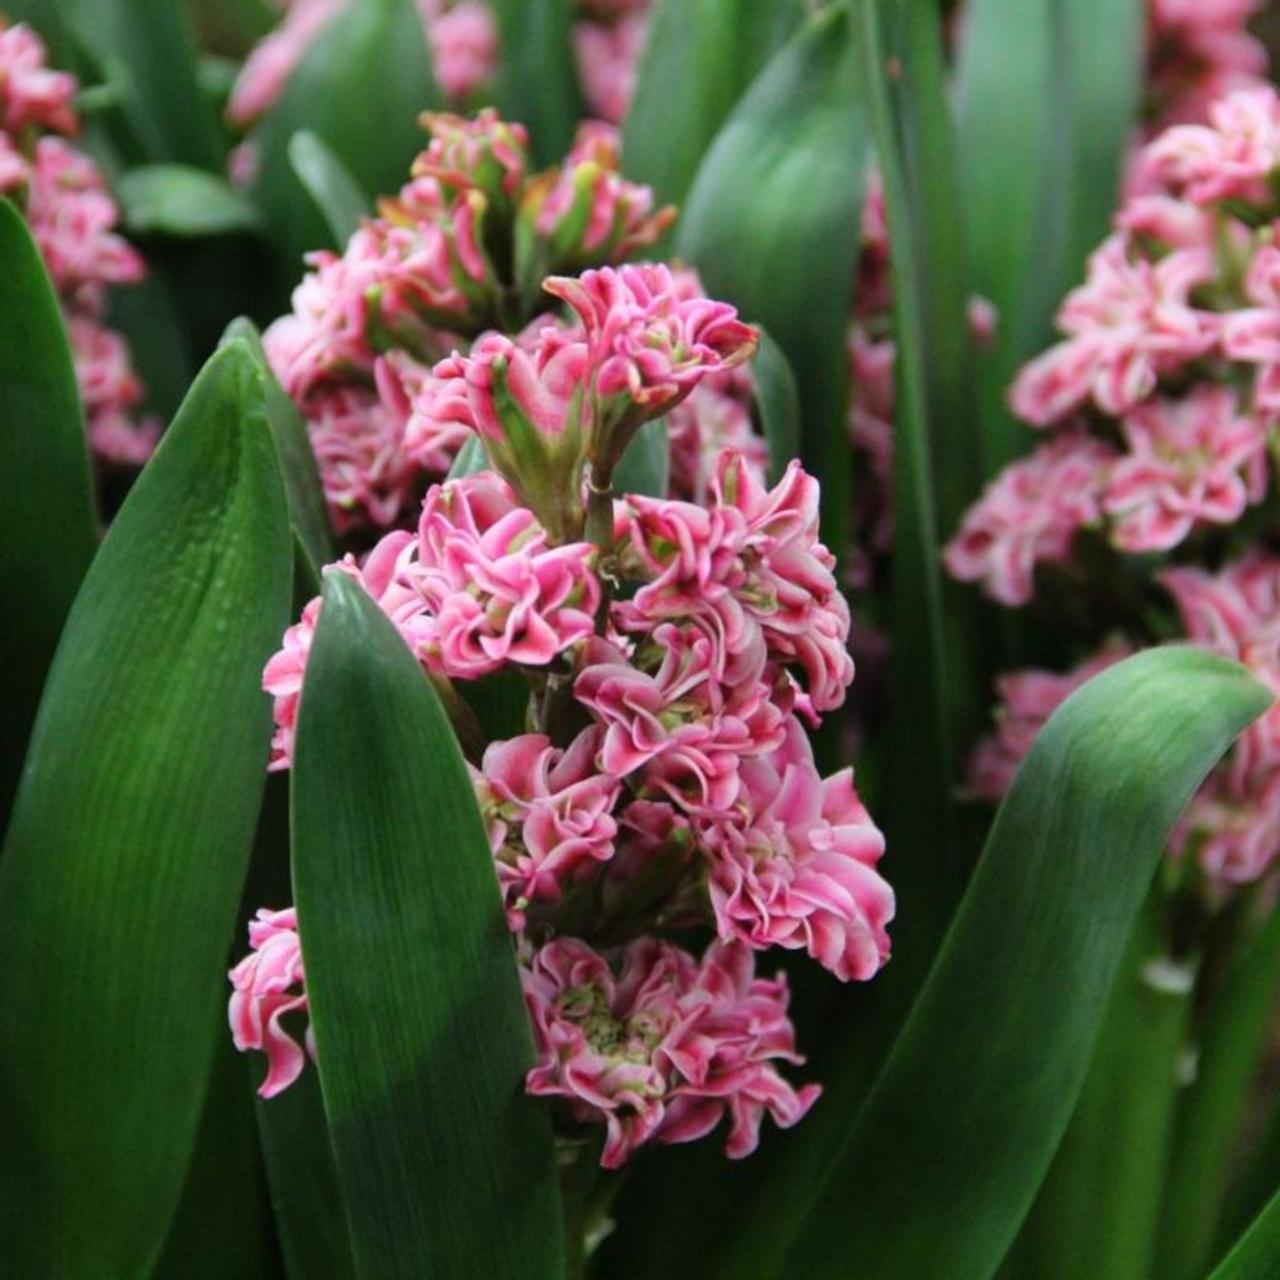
x=502 y=787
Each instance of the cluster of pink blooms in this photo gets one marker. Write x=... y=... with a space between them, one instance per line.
x=461 y=250
x=73 y=221
x=461 y=35
x=608 y=39
x=1162 y=401
x=674 y=648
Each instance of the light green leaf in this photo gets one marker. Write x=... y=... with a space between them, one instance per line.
x=1013 y=1004
x=772 y=224
x=48 y=528
x=181 y=201
x=470 y=459
x=446 y=1167
x=127 y=850
x=335 y=192
x=1257 y=1254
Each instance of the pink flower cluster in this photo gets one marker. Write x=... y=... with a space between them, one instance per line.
x=672 y=650
x=1164 y=389
x=608 y=39
x=462 y=248
x=461 y=36
x=73 y=221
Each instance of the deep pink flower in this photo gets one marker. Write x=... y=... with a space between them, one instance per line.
x=482 y=153
x=1027 y=699
x=464 y=48
x=269 y=65
x=1030 y=515
x=1130 y=322
x=800 y=870
x=31 y=94
x=664 y=1050
x=428 y=446
x=268 y=985
x=549 y=814
x=1190 y=461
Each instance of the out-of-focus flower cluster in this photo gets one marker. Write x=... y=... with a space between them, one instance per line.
x=608 y=39
x=461 y=36
x=1161 y=402
x=461 y=250
x=73 y=220
x=674 y=647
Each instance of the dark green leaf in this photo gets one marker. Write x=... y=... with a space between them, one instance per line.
x=127 y=851
x=47 y=523
x=1257 y=1255
x=421 y=1039
x=777 y=404
x=646 y=465
x=307 y=512
x=538 y=76
x=335 y=192
x=772 y=224
x=1013 y=1004
x=360 y=89
x=699 y=56
x=178 y=200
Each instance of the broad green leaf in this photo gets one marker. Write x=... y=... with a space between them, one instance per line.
x=127 y=850
x=1231 y=1047
x=537 y=73
x=646 y=465
x=777 y=402
x=335 y=193
x=962 y=1123
x=307 y=514
x=182 y=201
x=1103 y=1190
x=48 y=529
x=1257 y=1255
x=144 y=51
x=360 y=88
x=698 y=58
x=446 y=1167
x=772 y=224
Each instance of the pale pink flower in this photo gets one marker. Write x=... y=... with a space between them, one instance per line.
x=116 y=439
x=1029 y=515
x=464 y=48
x=1027 y=699
x=800 y=870
x=1175 y=223
x=608 y=54
x=1233 y=830
x=1129 y=323
x=1252 y=334
x=14 y=169
x=32 y=95
x=268 y=985
x=702 y=429
x=1230 y=158
x=104 y=371
x=429 y=445
x=665 y=1049
x=549 y=814
x=1194 y=460
x=271 y=63
x=482 y=152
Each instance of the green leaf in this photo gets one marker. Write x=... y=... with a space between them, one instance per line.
x=307 y=514
x=181 y=201
x=470 y=459
x=1257 y=1254
x=1013 y=1004
x=130 y=837
x=334 y=191
x=48 y=528
x=538 y=76
x=421 y=1038
x=777 y=403
x=360 y=89
x=772 y=223
x=1211 y=1116
x=143 y=50
x=1103 y=1190
x=646 y=465
x=698 y=58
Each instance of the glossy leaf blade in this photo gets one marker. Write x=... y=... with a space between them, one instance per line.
x=772 y=223
x=698 y=58
x=334 y=191
x=130 y=838
x=48 y=528
x=1015 y=999
x=446 y=1167
x=777 y=402
x=1257 y=1254
x=182 y=201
